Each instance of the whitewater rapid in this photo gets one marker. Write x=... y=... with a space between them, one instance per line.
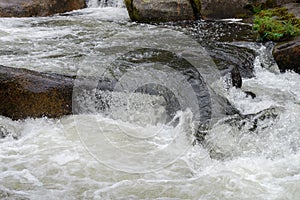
x=92 y=156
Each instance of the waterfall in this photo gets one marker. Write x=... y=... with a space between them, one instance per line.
x=105 y=3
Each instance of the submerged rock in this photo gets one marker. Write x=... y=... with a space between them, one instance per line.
x=163 y=10
x=30 y=8
x=258 y=121
x=287 y=55
x=25 y=93
x=238 y=129
x=7 y=132
x=3 y=132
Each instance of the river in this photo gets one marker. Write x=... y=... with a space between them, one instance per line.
x=133 y=152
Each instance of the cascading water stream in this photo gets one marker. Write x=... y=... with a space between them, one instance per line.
x=105 y=3
x=132 y=151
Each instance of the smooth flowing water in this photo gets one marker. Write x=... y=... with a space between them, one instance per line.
x=133 y=152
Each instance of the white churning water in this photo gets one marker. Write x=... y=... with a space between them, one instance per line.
x=92 y=156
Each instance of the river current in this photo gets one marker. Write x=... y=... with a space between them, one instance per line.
x=130 y=153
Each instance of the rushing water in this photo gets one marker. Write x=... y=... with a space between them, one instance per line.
x=133 y=153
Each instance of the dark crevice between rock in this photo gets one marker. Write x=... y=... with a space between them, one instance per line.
x=195 y=10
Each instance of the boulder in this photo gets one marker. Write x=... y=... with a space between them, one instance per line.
x=25 y=93
x=177 y=10
x=30 y=8
x=163 y=10
x=219 y=9
x=287 y=55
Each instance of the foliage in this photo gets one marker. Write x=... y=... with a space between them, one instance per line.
x=276 y=24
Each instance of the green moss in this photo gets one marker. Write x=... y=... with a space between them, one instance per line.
x=256 y=8
x=276 y=25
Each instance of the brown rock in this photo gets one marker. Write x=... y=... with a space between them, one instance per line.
x=30 y=8
x=287 y=55
x=25 y=93
x=163 y=10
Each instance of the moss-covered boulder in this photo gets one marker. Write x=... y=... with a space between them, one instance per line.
x=30 y=8
x=25 y=93
x=163 y=10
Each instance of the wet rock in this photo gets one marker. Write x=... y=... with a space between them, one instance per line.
x=256 y=122
x=287 y=55
x=25 y=93
x=3 y=132
x=237 y=128
x=236 y=77
x=163 y=10
x=30 y=8
x=225 y=55
x=7 y=132
x=250 y=94
x=216 y=30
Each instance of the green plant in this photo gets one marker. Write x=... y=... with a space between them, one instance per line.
x=276 y=25
x=256 y=9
